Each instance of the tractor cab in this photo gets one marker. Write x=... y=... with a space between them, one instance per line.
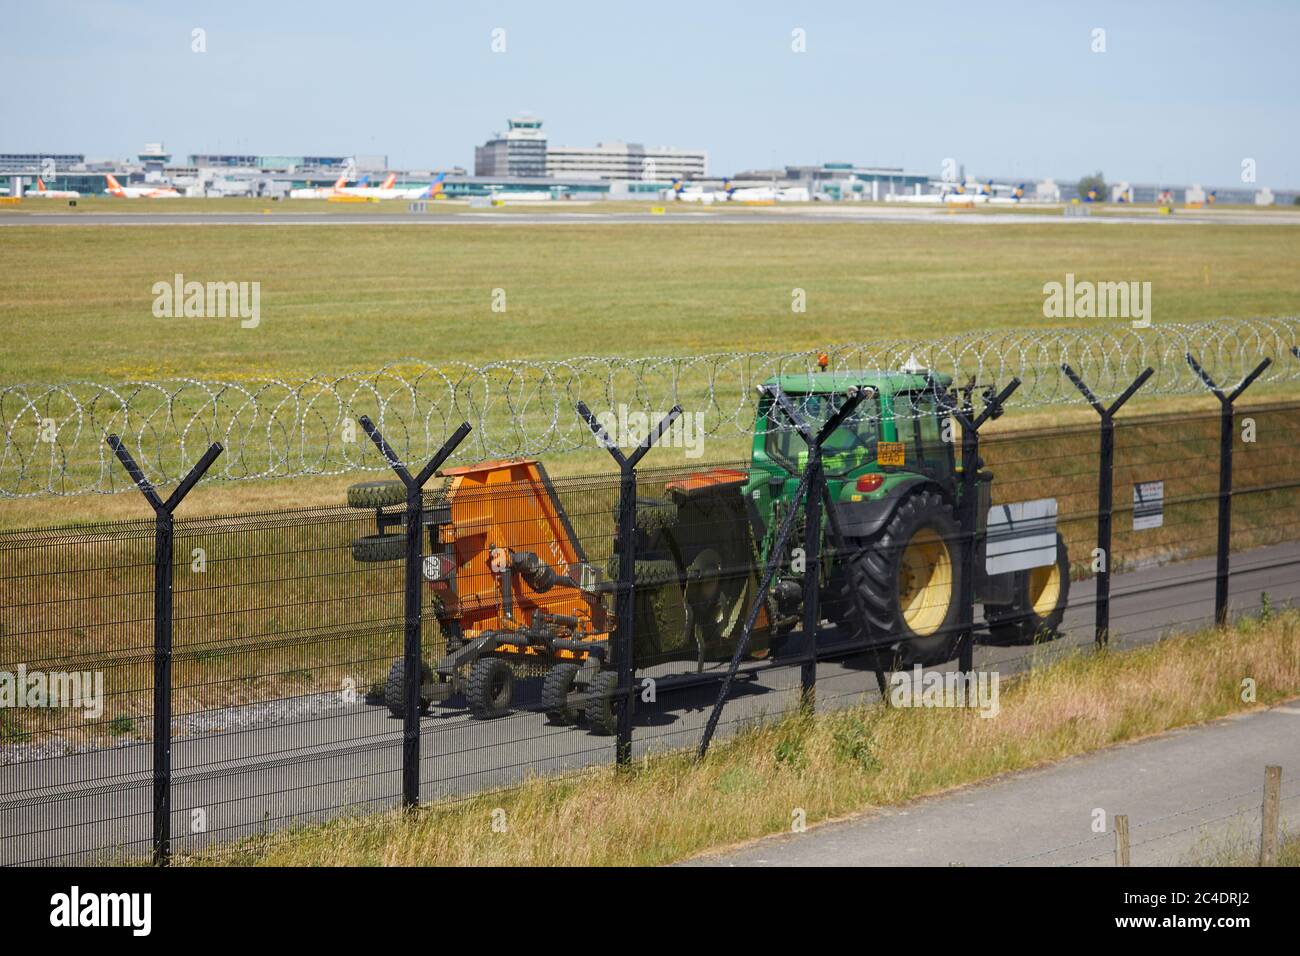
x=898 y=434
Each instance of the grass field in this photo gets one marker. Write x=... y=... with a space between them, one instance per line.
x=78 y=302
x=358 y=297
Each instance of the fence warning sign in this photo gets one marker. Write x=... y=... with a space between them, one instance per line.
x=890 y=453
x=1148 y=505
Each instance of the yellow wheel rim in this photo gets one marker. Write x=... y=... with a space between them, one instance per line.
x=925 y=583
x=1044 y=589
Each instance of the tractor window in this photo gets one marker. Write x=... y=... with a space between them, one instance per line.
x=850 y=446
x=919 y=422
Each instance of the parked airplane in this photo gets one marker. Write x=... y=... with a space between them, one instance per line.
x=139 y=192
x=1014 y=194
x=764 y=194
x=683 y=192
x=423 y=192
x=386 y=190
x=314 y=192
x=363 y=187
x=41 y=191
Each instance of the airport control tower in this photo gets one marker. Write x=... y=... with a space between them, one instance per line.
x=520 y=152
x=154 y=159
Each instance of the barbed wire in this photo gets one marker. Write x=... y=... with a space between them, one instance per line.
x=54 y=434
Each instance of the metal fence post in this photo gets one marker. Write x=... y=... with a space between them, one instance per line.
x=623 y=650
x=1105 y=490
x=164 y=538
x=413 y=606
x=968 y=513
x=775 y=556
x=1226 y=400
x=812 y=538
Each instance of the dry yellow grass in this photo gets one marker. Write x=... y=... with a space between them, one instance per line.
x=669 y=807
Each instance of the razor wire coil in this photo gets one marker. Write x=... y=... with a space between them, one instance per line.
x=272 y=428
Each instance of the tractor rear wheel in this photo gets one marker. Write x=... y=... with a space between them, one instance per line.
x=600 y=707
x=490 y=688
x=395 y=688
x=1038 y=605
x=556 y=687
x=908 y=577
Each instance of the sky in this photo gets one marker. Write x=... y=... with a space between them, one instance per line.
x=1183 y=92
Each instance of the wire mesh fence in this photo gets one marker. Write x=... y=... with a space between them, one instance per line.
x=287 y=685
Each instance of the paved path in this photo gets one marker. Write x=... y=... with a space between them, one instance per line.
x=1186 y=794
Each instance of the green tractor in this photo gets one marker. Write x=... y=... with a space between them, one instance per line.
x=891 y=553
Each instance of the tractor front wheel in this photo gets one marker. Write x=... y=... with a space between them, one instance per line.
x=908 y=578
x=490 y=688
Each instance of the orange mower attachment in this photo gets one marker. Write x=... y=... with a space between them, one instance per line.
x=513 y=590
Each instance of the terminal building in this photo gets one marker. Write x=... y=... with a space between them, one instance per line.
x=25 y=162
x=273 y=163
x=841 y=180
x=625 y=162
x=523 y=151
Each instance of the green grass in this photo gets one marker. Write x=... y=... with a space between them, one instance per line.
x=339 y=299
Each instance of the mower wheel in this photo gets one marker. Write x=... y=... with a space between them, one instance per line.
x=395 y=688
x=376 y=494
x=600 y=705
x=379 y=547
x=555 y=694
x=490 y=688
x=1038 y=605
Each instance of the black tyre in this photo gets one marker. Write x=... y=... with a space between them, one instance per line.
x=1035 y=613
x=653 y=515
x=379 y=547
x=376 y=494
x=490 y=688
x=395 y=688
x=908 y=577
x=600 y=704
x=556 y=686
